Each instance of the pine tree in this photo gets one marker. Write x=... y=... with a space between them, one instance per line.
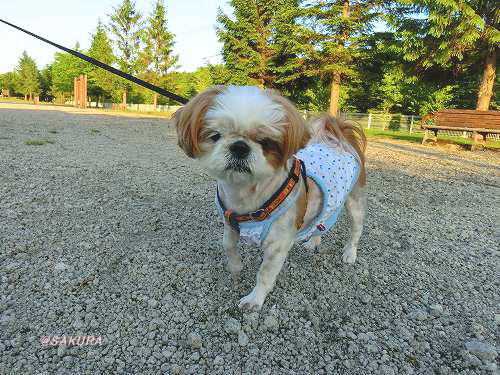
x=101 y=82
x=157 y=56
x=28 y=75
x=46 y=84
x=253 y=45
x=450 y=33
x=125 y=25
x=336 y=33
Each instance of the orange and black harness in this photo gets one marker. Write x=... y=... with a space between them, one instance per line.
x=233 y=219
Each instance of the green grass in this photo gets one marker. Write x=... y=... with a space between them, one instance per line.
x=94 y=131
x=39 y=142
x=15 y=100
x=53 y=131
x=417 y=138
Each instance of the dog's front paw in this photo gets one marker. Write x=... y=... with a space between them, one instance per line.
x=349 y=255
x=251 y=302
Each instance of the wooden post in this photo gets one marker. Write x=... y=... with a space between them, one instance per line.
x=84 y=98
x=369 y=121
x=80 y=90
x=75 y=92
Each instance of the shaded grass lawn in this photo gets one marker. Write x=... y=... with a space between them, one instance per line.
x=417 y=138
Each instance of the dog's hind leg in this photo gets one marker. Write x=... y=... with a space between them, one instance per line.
x=313 y=243
x=356 y=206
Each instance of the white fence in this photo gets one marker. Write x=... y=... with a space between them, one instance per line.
x=134 y=107
x=145 y=107
x=397 y=122
x=385 y=121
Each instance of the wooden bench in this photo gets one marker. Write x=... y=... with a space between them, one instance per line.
x=479 y=123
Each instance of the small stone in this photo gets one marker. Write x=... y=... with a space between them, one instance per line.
x=363 y=337
x=168 y=352
x=219 y=360
x=194 y=340
x=419 y=315
x=481 y=350
x=226 y=347
x=386 y=370
x=492 y=367
x=242 y=338
x=444 y=370
x=232 y=326
x=436 y=310
x=252 y=319
x=61 y=350
x=153 y=303
x=365 y=298
x=61 y=266
x=497 y=319
x=195 y=357
x=109 y=360
x=271 y=323
x=176 y=369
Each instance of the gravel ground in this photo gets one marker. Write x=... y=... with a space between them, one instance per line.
x=111 y=232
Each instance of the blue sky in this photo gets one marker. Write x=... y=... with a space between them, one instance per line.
x=68 y=21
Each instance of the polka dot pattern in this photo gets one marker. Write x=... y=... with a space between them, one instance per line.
x=335 y=172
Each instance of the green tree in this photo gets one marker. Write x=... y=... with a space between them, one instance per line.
x=338 y=31
x=10 y=81
x=28 y=76
x=253 y=45
x=125 y=25
x=65 y=69
x=453 y=34
x=46 y=84
x=157 y=55
x=101 y=83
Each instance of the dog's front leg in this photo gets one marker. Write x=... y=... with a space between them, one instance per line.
x=275 y=252
x=229 y=242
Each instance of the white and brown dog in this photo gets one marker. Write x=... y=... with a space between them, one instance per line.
x=279 y=181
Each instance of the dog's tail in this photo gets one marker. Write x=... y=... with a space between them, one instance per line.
x=347 y=134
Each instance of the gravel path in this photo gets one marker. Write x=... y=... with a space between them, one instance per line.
x=111 y=232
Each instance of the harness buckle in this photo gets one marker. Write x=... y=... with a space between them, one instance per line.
x=259 y=215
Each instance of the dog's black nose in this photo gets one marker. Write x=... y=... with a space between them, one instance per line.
x=239 y=149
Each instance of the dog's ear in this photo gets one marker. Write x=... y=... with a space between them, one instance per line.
x=296 y=133
x=189 y=120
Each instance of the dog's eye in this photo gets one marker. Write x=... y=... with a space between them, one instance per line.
x=267 y=143
x=215 y=137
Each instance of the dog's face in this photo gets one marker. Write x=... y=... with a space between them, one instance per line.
x=240 y=134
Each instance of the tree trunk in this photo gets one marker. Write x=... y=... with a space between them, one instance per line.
x=155 y=99
x=336 y=77
x=25 y=97
x=124 y=101
x=487 y=82
x=335 y=94
x=97 y=101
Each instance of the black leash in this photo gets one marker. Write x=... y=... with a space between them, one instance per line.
x=91 y=60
